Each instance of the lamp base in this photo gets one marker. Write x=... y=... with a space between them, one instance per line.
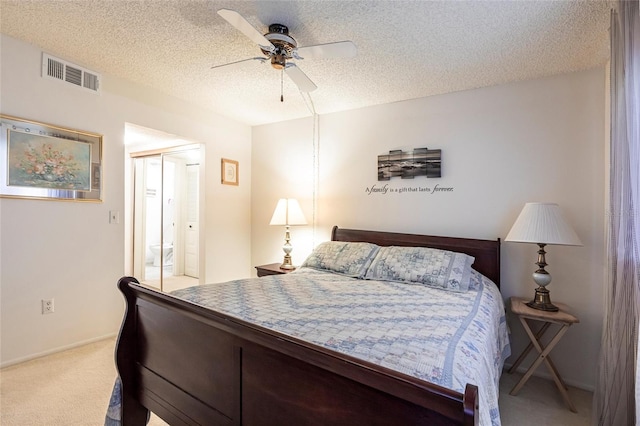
x=286 y=263
x=542 y=301
x=287 y=248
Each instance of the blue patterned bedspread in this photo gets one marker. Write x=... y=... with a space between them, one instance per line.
x=444 y=337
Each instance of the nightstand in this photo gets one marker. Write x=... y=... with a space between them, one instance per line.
x=561 y=318
x=271 y=269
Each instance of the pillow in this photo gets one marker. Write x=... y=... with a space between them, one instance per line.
x=346 y=258
x=443 y=269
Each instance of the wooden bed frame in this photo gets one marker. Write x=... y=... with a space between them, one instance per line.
x=191 y=365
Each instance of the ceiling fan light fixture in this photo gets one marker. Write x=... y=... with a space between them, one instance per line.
x=279 y=37
x=279 y=61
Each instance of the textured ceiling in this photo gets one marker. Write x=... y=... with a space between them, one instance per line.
x=406 y=49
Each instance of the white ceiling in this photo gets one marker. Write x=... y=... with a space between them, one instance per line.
x=406 y=49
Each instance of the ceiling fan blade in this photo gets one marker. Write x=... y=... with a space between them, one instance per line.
x=258 y=58
x=301 y=80
x=242 y=25
x=341 y=49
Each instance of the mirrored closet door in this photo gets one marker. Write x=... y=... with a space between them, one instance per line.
x=166 y=223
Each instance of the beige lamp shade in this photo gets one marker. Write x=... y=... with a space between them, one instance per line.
x=288 y=212
x=542 y=223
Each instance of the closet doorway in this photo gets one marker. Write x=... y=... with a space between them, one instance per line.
x=166 y=217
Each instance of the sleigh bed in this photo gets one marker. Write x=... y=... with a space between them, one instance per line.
x=238 y=364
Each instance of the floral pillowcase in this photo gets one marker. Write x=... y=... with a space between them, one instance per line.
x=346 y=258
x=436 y=268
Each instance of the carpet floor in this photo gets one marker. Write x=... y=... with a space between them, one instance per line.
x=73 y=388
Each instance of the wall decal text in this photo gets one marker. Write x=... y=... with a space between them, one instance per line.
x=386 y=189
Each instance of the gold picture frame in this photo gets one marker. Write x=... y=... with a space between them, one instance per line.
x=47 y=162
x=230 y=172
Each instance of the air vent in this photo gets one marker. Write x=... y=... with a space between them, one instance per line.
x=61 y=70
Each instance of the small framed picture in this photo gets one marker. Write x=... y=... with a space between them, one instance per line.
x=230 y=172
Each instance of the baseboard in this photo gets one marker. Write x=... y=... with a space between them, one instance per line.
x=56 y=350
x=542 y=373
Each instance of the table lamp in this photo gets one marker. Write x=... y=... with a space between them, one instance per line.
x=542 y=224
x=287 y=213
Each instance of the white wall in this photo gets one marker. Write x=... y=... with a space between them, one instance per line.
x=67 y=250
x=503 y=146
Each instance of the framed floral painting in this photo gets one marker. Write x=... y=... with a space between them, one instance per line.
x=48 y=162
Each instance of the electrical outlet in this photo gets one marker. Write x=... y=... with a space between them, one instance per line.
x=47 y=306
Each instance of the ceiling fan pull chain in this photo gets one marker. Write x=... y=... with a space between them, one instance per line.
x=282 y=85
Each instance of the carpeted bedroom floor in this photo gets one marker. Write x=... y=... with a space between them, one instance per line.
x=73 y=388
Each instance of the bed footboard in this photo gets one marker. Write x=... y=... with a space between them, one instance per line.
x=191 y=365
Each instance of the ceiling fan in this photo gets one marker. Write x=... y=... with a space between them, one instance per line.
x=280 y=48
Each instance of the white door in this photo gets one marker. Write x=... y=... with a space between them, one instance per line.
x=191 y=246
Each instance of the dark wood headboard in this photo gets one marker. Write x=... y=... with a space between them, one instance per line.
x=486 y=252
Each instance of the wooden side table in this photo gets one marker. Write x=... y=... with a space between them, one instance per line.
x=564 y=320
x=271 y=269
